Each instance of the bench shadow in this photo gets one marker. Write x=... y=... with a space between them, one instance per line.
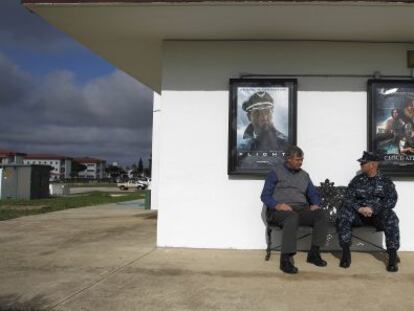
x=381 y=256
x=15 y=302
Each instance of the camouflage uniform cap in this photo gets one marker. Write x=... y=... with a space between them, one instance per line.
x=368 y=156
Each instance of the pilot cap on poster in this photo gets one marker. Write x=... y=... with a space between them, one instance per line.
x=259 y=100
x=368 y=156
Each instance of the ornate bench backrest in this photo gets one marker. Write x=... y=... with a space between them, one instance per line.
x=331 y=198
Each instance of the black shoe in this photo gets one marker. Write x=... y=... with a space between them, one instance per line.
x=392 y=260
x=314 y=256
x=346 y=258
x=286 y=264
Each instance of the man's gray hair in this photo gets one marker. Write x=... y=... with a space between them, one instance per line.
x=293 y=150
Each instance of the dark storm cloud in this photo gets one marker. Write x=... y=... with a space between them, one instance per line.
x=109 y=117
x=13 y=82
x=21 y=28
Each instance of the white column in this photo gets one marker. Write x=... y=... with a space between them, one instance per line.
x=156 y=144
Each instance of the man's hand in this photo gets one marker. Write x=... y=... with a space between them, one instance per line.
x=283 y=207
x=366 y=211
x=314 y=207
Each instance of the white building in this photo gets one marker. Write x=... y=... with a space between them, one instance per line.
x=62 y=165
x=95 y=168
x=188 y=51
x=11 y=157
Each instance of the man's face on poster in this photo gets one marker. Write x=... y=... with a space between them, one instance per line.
x=409 y=109
x=408 y=130
x=261 y=119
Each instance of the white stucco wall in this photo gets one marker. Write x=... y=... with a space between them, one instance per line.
x=199 y=204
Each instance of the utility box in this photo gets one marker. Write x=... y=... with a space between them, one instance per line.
x=24 y=182
x=59 y=189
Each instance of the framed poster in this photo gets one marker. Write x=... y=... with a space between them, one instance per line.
x=262 y=123
x=391 y=125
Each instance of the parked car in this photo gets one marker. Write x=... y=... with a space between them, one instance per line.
x=133 y=184
x=145 y=180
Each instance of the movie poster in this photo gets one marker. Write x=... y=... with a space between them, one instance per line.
x=391 y=135
x=262 y=124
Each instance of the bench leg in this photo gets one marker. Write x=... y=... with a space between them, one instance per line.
x=269 y=243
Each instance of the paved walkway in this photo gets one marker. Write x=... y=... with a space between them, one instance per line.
x=104 y=258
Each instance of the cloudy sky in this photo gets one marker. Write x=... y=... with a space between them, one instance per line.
x=58 y=97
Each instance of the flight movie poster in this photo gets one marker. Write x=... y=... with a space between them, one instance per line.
x=391 y=135
x=262 y=124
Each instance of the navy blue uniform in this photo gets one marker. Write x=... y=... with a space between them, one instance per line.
x=377 y=192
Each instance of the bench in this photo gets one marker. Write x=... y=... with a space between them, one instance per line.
x=331 y=201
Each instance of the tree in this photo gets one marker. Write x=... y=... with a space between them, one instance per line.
x=137 y=170
x=149 y=168
x=76 y=168
x=114 y=171
x=140 y=168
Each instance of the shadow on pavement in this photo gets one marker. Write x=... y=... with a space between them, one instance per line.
x=16 y=303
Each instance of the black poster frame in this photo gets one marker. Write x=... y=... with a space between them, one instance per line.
x=388 y=137
x=260 y=161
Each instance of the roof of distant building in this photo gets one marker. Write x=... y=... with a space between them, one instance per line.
x=9 y=153
x=89 y=160
x=45 y=156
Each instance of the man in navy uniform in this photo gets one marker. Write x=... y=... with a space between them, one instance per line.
x=292 y=200
x=369 y=199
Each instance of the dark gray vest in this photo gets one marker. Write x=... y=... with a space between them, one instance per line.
x=291 y=186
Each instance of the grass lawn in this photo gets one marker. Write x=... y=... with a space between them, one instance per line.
x=16 y=208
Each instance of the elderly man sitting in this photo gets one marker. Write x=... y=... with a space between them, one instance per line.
x=292 y=200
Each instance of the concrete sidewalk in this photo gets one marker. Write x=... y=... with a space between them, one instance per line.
x=104 y=258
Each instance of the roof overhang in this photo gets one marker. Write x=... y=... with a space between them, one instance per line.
x=129 y=34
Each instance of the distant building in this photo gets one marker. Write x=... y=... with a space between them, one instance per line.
x=95 y=168
x=11 y=157
x=62 y=165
